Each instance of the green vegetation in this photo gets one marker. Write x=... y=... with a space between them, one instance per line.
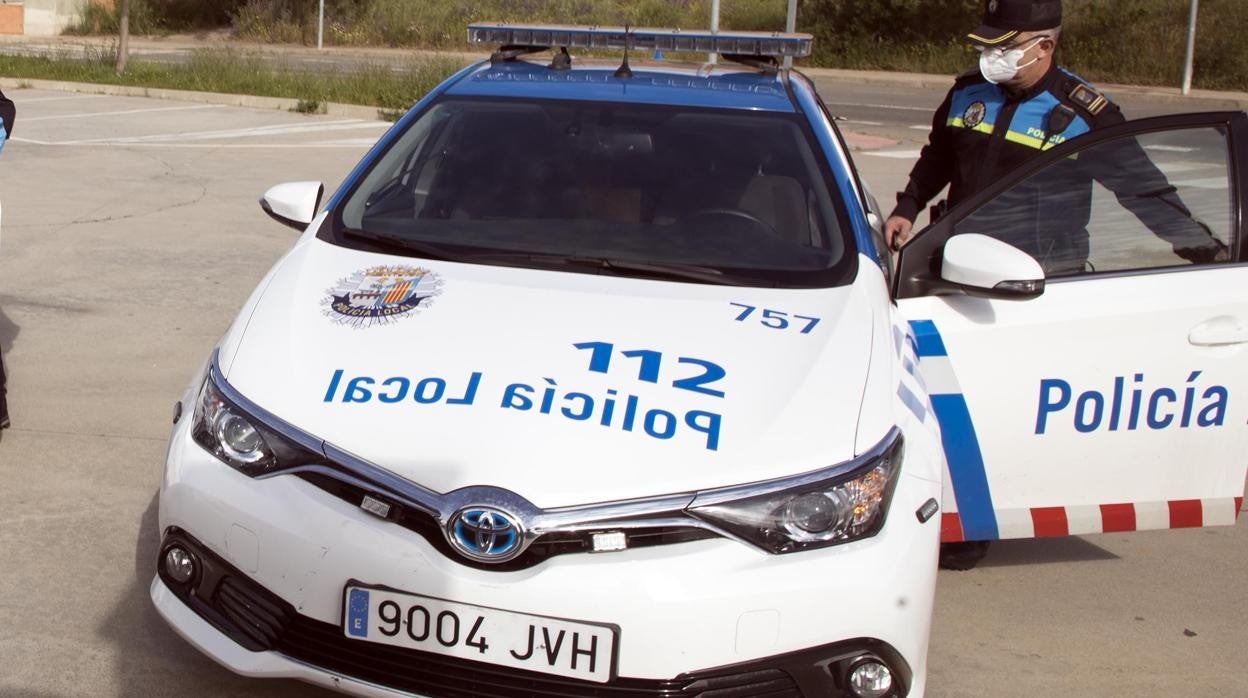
x=1126 y=41
x=237 y=72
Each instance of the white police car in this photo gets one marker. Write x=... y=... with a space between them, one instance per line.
x=592 y=381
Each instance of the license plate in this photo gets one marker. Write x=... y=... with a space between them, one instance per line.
x=535 y=643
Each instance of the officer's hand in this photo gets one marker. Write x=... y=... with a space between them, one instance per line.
x=897 y=231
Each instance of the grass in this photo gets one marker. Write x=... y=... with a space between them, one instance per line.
x=391 y=90
x=1124 y=41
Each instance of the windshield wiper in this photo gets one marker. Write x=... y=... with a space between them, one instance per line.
x=402 y=243
x=664 y=270
x=667 y=270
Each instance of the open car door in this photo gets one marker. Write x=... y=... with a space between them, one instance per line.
x=1113 y=395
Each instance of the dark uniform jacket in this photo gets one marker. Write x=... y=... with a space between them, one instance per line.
x=7 y=113
x=980 y=133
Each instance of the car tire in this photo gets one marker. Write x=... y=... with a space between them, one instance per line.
x=962 y=556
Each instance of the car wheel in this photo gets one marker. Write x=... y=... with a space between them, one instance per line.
x=962 y=556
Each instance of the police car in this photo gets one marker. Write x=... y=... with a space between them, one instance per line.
x=595 y=379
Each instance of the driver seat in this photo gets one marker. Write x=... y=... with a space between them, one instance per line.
x=781 y=203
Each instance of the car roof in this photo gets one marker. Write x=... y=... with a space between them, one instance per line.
x=725 y=86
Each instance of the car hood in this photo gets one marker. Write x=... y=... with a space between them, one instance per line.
x=564 y=388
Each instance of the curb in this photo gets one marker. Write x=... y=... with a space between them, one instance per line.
x=1167 y=95
x=349 y=111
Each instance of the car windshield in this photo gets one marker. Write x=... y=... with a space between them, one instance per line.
x=714 y=196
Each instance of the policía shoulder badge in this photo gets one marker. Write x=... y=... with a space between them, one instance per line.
x=974 y=114
x=380 y=295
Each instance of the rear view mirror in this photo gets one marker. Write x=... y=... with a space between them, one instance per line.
x=293 y=203
x=984 y=266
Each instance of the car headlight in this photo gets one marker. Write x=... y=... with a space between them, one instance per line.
x=238 y=438
x=838 y=505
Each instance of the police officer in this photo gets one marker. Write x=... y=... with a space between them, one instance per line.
x=1017 y=104
x=7 y=114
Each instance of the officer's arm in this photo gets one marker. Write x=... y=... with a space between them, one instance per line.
x=1124 y=168
x=932 y=172
x=7 y=114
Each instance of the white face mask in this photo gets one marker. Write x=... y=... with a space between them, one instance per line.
x=1000 y=66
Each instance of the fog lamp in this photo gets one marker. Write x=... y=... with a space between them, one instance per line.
x=179 y=565
x=870 y=679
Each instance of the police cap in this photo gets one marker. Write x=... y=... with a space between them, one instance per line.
x=1004 y=19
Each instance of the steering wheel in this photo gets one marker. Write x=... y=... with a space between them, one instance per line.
x=735 y=213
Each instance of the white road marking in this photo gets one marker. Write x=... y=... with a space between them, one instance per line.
x=919 y=127
x=37 y=100
x=260 y=131
x=352 y=141
x=272 y=146
x=897 y=154
x=1206 y=183
x=89 y=115
x=1169 y=148
x=1171 y=168
x=879 y=106
x=859 y=123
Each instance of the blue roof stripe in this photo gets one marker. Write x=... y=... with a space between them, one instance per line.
x=753 y=91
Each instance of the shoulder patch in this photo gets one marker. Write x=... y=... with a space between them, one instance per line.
x=1087 y=97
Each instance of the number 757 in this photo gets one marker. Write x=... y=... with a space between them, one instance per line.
x=775 y=319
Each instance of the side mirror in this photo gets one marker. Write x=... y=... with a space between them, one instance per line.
x=293 y=203
x=983 y=266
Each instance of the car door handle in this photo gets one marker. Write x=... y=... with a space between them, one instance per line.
x=1219 y=331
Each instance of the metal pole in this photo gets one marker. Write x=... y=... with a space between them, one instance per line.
x=712 y=56
x=320 y=26
x=790 y=26
x=1191 y=48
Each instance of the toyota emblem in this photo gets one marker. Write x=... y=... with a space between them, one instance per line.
x=486 y=534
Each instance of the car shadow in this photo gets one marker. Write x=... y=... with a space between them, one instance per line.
x=153 y=660
x=1039 y=551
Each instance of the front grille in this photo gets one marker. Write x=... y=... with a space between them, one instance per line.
x=324 y=645
x=272 y=623
x=547 y=546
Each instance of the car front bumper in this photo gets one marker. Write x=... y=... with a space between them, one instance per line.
x=691 y=615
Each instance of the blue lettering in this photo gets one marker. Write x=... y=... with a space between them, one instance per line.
x=1214 y=413
x=587 y=406
x=424 y=397
x=710 y=427
x=608 y=407
x=652 y=417
x=356 y=392
x=630 y=412
x=1155 y=422
x=1047 y=404
x=1116 y=410
x=470 y=393
x=513 y=400
x=1088 y=425
x=1188 y=396
x=548 y=398
x=404 y=385
x=1134 y=420
x=333 y=386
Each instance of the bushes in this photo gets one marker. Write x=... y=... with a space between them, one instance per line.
x=1134 y=41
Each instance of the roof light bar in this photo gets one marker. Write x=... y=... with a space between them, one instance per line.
x=643 y=38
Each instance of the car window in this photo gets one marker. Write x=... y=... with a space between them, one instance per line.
x=1135 y=203
x=743 y=193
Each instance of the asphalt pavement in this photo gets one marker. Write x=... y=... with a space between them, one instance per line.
x=131 y=237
